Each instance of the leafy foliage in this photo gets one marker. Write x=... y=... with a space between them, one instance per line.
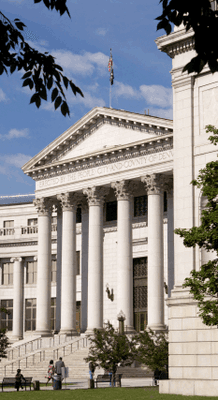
x=4 y=342
x=109 y=349
x=41 y=74
x=152 y=350
x=203 y=284
x=202 y=18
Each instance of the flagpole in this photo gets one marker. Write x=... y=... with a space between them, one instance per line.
x=110 y=69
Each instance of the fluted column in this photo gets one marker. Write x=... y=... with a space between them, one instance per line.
x=18 y=299
x=123 y=191
x=95 y=198
x=68 y=273
x=153 y=184
x=43 y=306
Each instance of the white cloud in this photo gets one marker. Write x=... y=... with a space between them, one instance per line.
x=101 y=31
x=15 y=160
x=127 y=91
x=83 y=64
x=2 y=96
x=157 y=95
x=15 y=133
x=161 y=112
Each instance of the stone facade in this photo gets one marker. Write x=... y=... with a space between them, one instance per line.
x=96 y=238
x=193 y=346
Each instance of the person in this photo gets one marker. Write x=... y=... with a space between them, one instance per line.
x=91 y=370
x=58 y=365
x=18 y=379
x=51 y=371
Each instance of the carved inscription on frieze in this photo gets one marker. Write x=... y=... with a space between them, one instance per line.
x=119 y=166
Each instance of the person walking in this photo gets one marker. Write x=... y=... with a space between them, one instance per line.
x=51 y=371
x=18 y=380
x=58 y=365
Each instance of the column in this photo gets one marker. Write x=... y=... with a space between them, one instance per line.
x=43 y=305
x=123 y=191
x=84 y=265
x=155 y=251
x=59 y=258
x=68 y=273
x=95 y=196
x=18 y=299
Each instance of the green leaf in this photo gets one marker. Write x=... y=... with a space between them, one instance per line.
x=43 y=93
x=33 y=98
x=28 y=82
x=12 y=68
x=20 y=25
x=38 y=102
x=65 y=81
x=58 y=102
x=54 y=94
x=50 y=83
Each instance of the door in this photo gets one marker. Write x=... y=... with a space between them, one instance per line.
x=140 y=293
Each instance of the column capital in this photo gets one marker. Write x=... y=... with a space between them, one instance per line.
x=96 y=195
x=68 y=201
x=13 y=259
x=43 y=205
x=153 y=183
x=124 y=189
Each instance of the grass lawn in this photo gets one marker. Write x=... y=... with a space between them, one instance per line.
x=147 y=393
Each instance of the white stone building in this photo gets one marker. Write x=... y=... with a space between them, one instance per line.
x=99 y=238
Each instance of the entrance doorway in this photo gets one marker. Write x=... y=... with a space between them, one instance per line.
x=140 y=293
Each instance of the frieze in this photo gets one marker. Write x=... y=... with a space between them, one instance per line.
x=118 y=166
x=19 y=244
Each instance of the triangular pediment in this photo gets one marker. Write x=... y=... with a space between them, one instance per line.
x=101 y=130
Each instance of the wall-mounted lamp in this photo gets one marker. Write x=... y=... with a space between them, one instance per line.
x=110 y=293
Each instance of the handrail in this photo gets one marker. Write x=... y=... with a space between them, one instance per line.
x=57 y=352
x=11 y=352
x=17 y=362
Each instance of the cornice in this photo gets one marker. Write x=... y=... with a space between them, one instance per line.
x=176 y=43
x=88 y=124
x=108 y=156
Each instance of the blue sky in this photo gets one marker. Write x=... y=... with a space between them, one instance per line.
x=82 y=47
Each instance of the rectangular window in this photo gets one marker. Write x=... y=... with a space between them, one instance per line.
x=31 y=272
x=7 y=319
x=7 y=273
x=78 y=272
x=53 y=313
x=165 y=201
x=30 y=315
x=54 y=271
x=140 y=206
x=8 y=227
x=54 y=224
x=78 y=215
x=111 y=211
x=32 y=221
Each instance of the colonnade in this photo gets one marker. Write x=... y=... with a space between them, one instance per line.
x=124 y=191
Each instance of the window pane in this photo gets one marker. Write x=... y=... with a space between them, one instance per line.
x=140 y=206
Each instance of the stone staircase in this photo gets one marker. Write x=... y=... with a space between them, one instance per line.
x=32 y=356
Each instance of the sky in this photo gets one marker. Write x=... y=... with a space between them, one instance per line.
x=81 y=46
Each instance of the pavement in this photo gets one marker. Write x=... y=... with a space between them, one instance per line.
x=83 y=384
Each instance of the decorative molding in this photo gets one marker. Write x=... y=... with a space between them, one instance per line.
x=43 y=206
x=69 y=201
x=103 y=158
x=138 y=242
x=96 y=195
x=153 y=183
x=124 y=190
x=13 y=259
x=17 y=244
x=107 y=229
x=137 y=225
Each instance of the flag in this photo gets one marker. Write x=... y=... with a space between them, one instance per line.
x=110 y=68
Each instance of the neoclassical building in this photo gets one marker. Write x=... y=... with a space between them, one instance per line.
x=96 y=240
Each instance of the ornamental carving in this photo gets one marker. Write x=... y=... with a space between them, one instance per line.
x=153 y=183
x=124 y=189
x=96 y=195
x=68 y=201
x=43 y=206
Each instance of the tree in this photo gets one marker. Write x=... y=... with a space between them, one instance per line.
x=152 y=350
x=201 y=16
x=203 y=284
x=41 y=72
x=109 y=349
x=4 y=342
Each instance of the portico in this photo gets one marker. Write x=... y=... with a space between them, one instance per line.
x=85 y=167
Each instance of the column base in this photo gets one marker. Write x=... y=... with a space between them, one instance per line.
x=69 y=332
x=43 y=333
x=157 y=327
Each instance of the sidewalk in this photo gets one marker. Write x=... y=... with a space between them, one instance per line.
x=83 y=384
